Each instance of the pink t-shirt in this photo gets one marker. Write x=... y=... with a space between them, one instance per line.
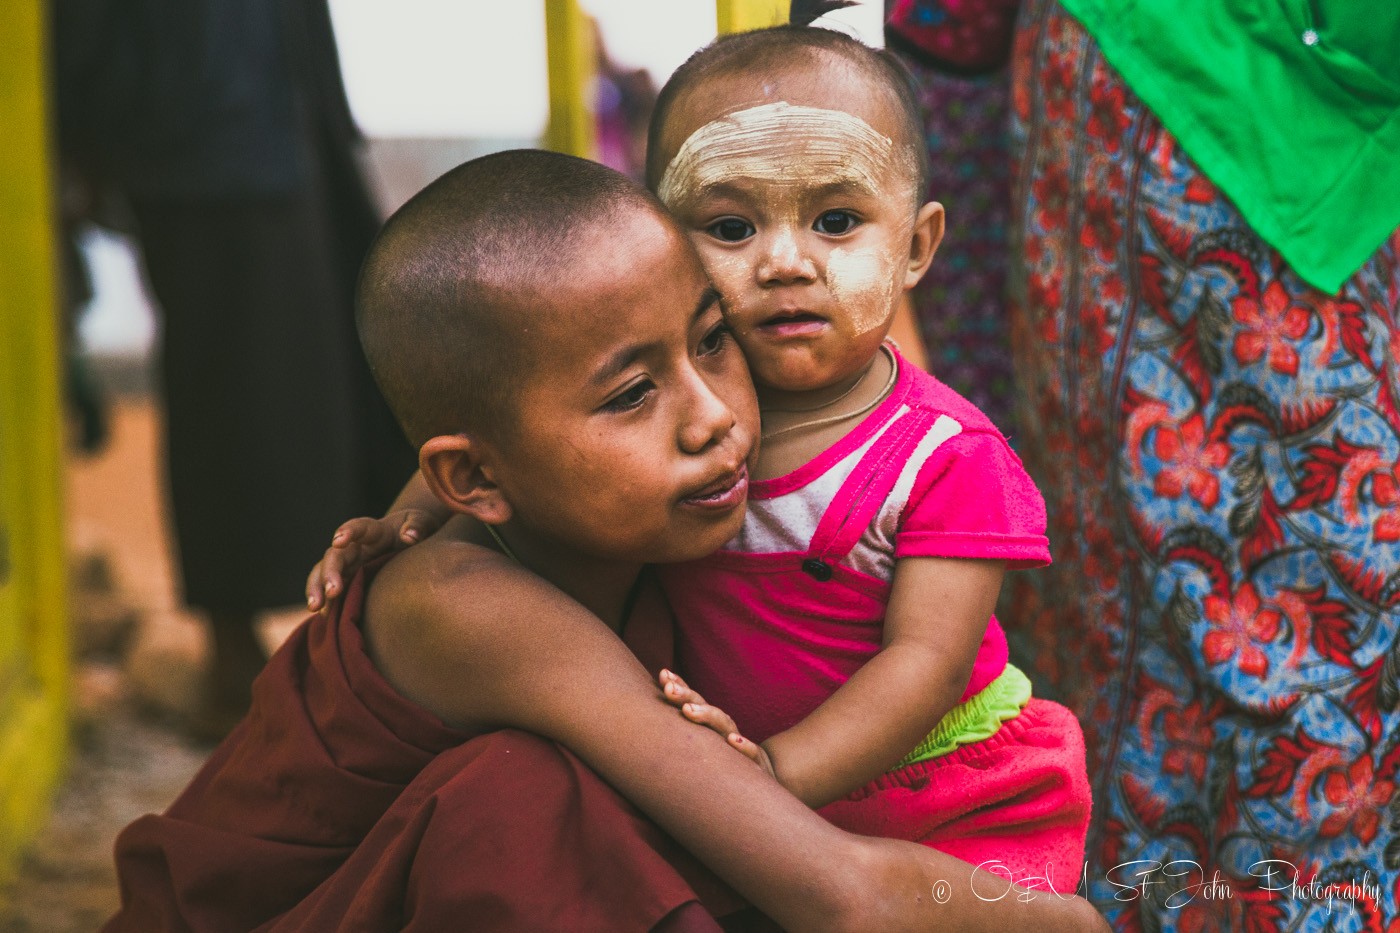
x=783 y=615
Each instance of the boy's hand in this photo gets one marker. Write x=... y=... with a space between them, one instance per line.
x=359 y=541
x=693 y=706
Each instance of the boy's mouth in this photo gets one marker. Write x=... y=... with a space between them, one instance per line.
x=793 y=324
x=724 y=493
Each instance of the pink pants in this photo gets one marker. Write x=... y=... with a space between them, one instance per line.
x=1016 y=804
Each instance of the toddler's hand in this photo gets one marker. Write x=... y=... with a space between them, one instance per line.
x=356 y=543
x=693 y=707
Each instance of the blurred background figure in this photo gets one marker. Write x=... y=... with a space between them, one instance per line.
x=624 y=98
x=957 y=52
x=224 y=127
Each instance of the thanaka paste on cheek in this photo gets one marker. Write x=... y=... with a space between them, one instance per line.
x=863 y=282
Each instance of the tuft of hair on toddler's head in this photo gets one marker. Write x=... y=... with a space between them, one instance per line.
x=448 y=287
x=797 y=42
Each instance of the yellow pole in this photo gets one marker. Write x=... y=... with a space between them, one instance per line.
x=33 y=613
x=573 y=63
x=743 y=15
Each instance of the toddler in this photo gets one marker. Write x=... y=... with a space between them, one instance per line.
x=847 y=629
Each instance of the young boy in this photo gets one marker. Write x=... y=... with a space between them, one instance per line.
x=546 y=336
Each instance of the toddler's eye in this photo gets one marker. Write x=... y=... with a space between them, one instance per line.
x=714 y=341
x=630 y=398
x=835 y=223
x=730 y=230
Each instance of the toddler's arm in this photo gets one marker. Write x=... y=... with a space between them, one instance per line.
x=937 y=614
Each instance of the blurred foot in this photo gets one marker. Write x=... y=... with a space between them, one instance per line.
x=237 y=660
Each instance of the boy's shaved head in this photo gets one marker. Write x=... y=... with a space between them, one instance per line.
x=449 y=284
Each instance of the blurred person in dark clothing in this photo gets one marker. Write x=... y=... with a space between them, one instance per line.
x=225 y=125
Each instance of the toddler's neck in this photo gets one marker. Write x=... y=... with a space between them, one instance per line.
x=798 y=426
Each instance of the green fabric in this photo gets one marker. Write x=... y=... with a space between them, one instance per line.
x=1305 y=139
x=976 y=718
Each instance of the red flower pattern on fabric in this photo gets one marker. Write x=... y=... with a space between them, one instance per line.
x=1270 y=327
x=1358 y=797
x=1102 y=230
x=1239 y=627
x=1190 y=462
x=1190 y=736
x=1385 y=490
x=1059 y=88
x=1052 y=198
x=1108 y=118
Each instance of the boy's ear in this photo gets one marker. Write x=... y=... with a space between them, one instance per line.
x=927 y=234
x=459 y=472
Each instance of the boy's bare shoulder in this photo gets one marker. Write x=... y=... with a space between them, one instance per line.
x=451 y=625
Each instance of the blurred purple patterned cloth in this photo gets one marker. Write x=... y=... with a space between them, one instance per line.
x=960 y=304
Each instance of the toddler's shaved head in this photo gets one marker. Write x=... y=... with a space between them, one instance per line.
x=449 y=285
x=764 y=52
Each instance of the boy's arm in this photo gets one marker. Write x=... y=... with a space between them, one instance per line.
x=937 y=615
x=482 y=643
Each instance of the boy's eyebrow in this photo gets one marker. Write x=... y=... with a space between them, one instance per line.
x=628 y=355
x=707 y=300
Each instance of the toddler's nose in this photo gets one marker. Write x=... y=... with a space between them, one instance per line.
x=783 y=261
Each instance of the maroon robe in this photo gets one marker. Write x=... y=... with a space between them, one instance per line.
x=339 y=805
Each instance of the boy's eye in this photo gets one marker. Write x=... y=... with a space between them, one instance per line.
x=730 y=230
x=630 y=398
x=835 y=223
x=714 y=341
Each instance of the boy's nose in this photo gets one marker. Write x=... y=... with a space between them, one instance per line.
x=708 y=419
x=783 y=261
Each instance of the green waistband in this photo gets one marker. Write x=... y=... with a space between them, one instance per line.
x=976 y=718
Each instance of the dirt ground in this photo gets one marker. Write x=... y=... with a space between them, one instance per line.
x=125 y=760
x=123 y=766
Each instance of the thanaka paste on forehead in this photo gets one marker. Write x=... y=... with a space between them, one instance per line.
x=829 y=144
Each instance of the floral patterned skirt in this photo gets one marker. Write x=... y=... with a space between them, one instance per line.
x=1218 y=443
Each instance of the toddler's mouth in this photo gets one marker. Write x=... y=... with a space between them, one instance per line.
x=793 y=324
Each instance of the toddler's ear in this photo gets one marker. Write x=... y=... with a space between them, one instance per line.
x=457 y=469
x=923 y=243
